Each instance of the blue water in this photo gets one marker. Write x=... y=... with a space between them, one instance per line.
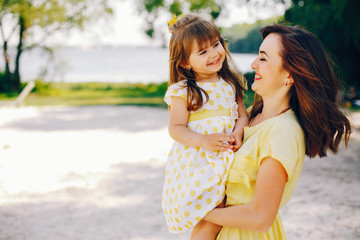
x=106 y=64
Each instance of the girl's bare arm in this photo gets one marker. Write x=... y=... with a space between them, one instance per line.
x=178 y=130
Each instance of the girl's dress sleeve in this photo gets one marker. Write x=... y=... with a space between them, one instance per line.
x=175 y=90
x=283 y=143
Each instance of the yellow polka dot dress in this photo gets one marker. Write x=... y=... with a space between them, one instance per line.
x=195 y=177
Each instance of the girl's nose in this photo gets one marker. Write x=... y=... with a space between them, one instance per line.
x=214 y=53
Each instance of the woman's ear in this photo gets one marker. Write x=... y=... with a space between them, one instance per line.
x=290 y=79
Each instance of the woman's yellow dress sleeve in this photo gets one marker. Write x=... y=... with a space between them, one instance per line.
x=283 y=142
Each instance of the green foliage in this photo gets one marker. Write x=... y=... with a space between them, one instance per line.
x=98 y=93
x=152 y=8
x=212 y=7
x=54 y=15
x=29 y=23
x=151 y=5
x=94 y=93
x=245 y=38
x=141 y=90
x=249 y=44
x=5 y=87
x=6 y=80
x=41 y=87
x=3 y=82
x=336 y=24
x=175 y=7
x=248 y=98
x=249 y=78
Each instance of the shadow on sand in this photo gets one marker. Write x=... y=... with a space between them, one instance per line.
x=107 y=118
x=125 y=204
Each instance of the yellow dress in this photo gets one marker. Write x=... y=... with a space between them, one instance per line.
x=281 y=138
x=195 y=177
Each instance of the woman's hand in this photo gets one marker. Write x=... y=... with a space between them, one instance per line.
x=217 y=142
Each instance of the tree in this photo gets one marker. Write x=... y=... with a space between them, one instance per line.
x=246 y=38
x=337 y=26
x=29 y=23
x=334 y=22
x=152 y=9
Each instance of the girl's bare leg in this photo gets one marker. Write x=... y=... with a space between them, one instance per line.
x=205 y=231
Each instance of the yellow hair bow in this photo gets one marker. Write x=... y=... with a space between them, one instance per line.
x=174 y=20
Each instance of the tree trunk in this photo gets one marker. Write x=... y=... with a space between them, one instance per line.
x=16 y=79
x=5 y=83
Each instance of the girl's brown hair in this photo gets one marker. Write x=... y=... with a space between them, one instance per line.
x=314 y=92
x=194 y=27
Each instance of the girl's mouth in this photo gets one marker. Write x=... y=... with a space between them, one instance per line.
x=214 y=62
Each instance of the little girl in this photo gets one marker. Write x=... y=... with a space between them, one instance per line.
x=207 y=117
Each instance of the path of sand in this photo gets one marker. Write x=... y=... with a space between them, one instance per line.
x=95 y=173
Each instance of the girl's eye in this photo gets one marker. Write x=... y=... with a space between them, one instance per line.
x=216 y=44
x=262 y=59
x=203 y=52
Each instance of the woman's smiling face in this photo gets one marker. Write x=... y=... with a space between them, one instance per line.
x=269 y=74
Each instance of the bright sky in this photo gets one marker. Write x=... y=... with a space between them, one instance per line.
x=125 y=28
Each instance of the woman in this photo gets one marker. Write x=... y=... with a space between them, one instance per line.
x=294 y=114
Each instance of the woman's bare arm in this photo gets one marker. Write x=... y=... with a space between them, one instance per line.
x=258 y=215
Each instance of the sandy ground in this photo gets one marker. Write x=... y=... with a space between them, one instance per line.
x=91 y=173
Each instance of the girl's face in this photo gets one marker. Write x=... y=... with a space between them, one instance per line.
x=206 y=62
x=269 y=74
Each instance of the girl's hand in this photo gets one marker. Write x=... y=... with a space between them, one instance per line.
x=237 y=135
x=222 y=204
x=218 y=142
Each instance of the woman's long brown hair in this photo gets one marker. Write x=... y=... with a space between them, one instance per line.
x=314 y=92
x=192 y=28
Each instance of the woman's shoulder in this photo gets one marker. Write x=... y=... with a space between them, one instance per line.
x=287 y=124
x=284 y=123
x=288 y=120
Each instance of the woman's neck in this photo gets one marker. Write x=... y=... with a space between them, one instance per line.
x=273 y=107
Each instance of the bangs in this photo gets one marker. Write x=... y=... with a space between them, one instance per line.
x=203 y=32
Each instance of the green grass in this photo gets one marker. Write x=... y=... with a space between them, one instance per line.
x=354 y=109
x=96 y=93
x=81 y=101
